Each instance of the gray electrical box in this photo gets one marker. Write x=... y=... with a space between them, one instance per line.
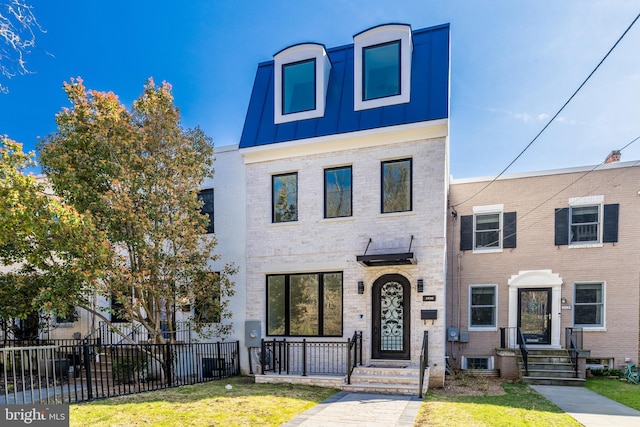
x=453 y=334
x=252 y=333
x=464 y=336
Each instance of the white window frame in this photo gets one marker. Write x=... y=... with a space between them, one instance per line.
x=493 y=327
x=585 y=202
x=376 y=36
x=590 y=327
x=298 y=53
x=488 y=210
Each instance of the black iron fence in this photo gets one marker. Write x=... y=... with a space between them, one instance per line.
x=310 y=357
x=83 y=372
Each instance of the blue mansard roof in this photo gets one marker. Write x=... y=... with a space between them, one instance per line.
x=429 y=96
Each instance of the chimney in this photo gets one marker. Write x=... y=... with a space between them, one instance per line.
x=614 y=156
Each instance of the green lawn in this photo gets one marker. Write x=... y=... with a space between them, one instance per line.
x=519 y=406
x=619 y=390
x=208 y=404
x=249 y=404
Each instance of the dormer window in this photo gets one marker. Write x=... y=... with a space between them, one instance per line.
x=299 y=86
x=381 y=70
x=301 y=80
x=382 y=66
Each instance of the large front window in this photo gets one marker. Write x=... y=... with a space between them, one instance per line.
x=299 y=86
x=381 y=70
x=285 y=197
x=588 y=310
x=337 y=192
x=304 y=304
x=584 y=224
x=482 y=306
x=396 y=186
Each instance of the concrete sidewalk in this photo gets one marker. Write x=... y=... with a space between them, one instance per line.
x=589 y=408
x=361 y=409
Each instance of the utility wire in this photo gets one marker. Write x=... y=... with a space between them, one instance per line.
x=566 y=187
x=555 y=115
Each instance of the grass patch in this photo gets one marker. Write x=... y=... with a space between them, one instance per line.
x=208 y=404
x=616 y=389
x=518 y=406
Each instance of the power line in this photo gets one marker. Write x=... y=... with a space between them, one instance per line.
x=569 y=185
x=556 y=114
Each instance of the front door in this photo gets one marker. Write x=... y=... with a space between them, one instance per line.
x=391 y=317
x=534 y=315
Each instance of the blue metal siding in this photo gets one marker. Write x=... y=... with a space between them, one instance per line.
x=429 y=96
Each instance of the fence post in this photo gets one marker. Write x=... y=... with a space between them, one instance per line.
x=304 y=357
x=169 y=364
x=263 y=350
x=87 y=368
x=502 y=338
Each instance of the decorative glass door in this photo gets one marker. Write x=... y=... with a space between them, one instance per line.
x=534 y=315
x=391 y=317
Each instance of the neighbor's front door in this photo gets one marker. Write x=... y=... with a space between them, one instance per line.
x=391 y=317
x=534 y=315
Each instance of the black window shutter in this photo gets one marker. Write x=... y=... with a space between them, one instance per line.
x=610 y=231
x=562 y=226
x=509 y=230
x=466 y=232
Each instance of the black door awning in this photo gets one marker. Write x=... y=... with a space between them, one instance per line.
x=380 y=260
x=385 y=259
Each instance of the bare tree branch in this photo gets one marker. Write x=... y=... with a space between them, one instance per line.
x=18 y=28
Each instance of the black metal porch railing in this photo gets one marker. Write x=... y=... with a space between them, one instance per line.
x=305 y=357
x=573 y=343
x=424 y=360
x=354 y=355
x=512 y=337
x=83 y=372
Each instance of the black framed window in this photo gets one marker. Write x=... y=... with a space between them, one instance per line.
x=396 y=185
x=207 y=308
x=285 y=197
x=337 y=192
x=299 y=86
x=206 y=196
x=308 y=304
x=381 y=70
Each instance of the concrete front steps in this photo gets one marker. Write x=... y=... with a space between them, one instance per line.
x=549 y=367
x=387 y=378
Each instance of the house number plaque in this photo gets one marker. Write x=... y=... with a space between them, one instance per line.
x=428 y=298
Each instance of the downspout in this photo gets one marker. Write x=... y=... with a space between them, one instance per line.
x=454 y=277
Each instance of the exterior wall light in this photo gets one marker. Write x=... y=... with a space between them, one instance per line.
x=420 y=285
x=360 y=287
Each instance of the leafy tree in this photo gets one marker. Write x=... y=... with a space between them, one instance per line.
x=136 y=172
x=18 y=27
x=50 y=254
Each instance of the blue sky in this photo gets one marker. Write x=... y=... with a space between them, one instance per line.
x=513 y=65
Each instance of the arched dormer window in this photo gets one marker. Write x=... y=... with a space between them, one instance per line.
x=382 y=66
x=301 y=79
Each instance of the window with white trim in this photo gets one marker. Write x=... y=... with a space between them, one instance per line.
x=588 y=305
x=382 y=66
x=482 y=306
x=489 y=229
x=301 y=77
x=587 y=222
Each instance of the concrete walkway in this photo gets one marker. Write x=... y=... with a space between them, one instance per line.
x=361 y=409
x=589 y=408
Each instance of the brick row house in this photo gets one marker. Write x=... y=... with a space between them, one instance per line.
x=544 y=252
